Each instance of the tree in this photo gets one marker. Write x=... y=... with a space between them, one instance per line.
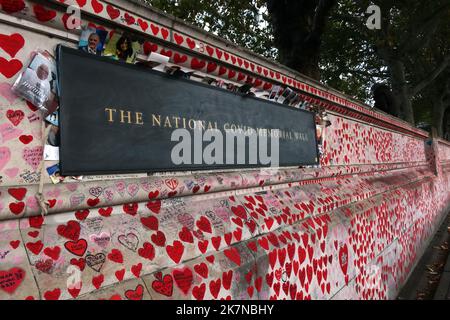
x=298 y=27
x=244 y=23
x=329 y=40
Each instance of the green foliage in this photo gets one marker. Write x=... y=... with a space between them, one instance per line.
x=352 y=57
x=244 y=23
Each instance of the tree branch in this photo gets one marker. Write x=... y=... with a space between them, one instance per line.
x=422 y=84
x=426 y=27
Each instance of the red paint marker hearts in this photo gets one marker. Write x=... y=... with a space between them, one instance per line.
x=183 y=279
x=43 y=14
x=175 y=251
x=135 y=294
x=15 y=116
x=77 y=248
x=11 y=44
x=11 y=279
x=164 y=286
x=70 y=231
x=12 y=6
x=16 y=208
x=112 y=12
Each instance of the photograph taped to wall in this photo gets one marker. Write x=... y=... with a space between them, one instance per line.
x=92 y=40
x=37 y=83
x=122 y=47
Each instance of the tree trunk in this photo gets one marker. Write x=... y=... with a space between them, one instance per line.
x=298 y=26
x=401 y=90
x=438 y=117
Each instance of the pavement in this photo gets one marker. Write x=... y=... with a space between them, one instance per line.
x=430 y=279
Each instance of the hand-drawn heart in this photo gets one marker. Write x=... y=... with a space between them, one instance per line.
x=12 y=6
x=164 y=286
x=154 y=205
x=343 y=258
x=11 y=279
x=129 y=241
x=204 y=224
x=36 y=222
x=18 y=193
x=179 y=59
x=96 y=191
x=120 y=274
x=175 y=251
x=15 y=116
x=70 y=231
x=199 y=291
x=202 y=269
x=77 y=248
x=101 y=240
x=214 y=287
x=53 y=252
x=95 y=261
x=183 y=279
x=120 y=187
x=14 y=243
x=136 y=269
x=112 y=12
x=52 y=294
x=115 y=256
x=197 y=64
x=105 y=212
x=135 y=294
x=130 y=208
x=33 y=156
x=143 y=24
x=35 y=247
x=81 y=3
x=82 y=214
x=190 y=43
x=44 y=265
x=159 y=239
x=43 y=14
x=80 y=263
x=98 y=280
x=10 y=68
x=17 y=208
x=234 y=255
x=132 y=189
x=147 y=251
x=164 y=33
x=171 y=183
x=97 y=6
x=129 y=19
x=11 y=44
x=186 y=235
x=178 y=39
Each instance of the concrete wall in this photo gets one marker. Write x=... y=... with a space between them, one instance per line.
x=351 y=229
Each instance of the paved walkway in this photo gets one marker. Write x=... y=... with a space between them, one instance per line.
x=430 y=280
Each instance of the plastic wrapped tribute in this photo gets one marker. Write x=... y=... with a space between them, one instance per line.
x=37 y=83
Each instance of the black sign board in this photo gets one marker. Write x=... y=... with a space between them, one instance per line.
x=121 y=118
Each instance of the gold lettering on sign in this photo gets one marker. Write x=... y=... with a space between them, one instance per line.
x=139 y=118
x=110 y=114
x=156 y=119
x=172 y=122
x=123 y=116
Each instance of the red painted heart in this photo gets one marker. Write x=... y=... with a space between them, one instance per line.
x=11 y=44
x=11 y=279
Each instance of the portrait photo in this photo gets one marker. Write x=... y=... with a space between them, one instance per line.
x=122 y=47
x=92 y=41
